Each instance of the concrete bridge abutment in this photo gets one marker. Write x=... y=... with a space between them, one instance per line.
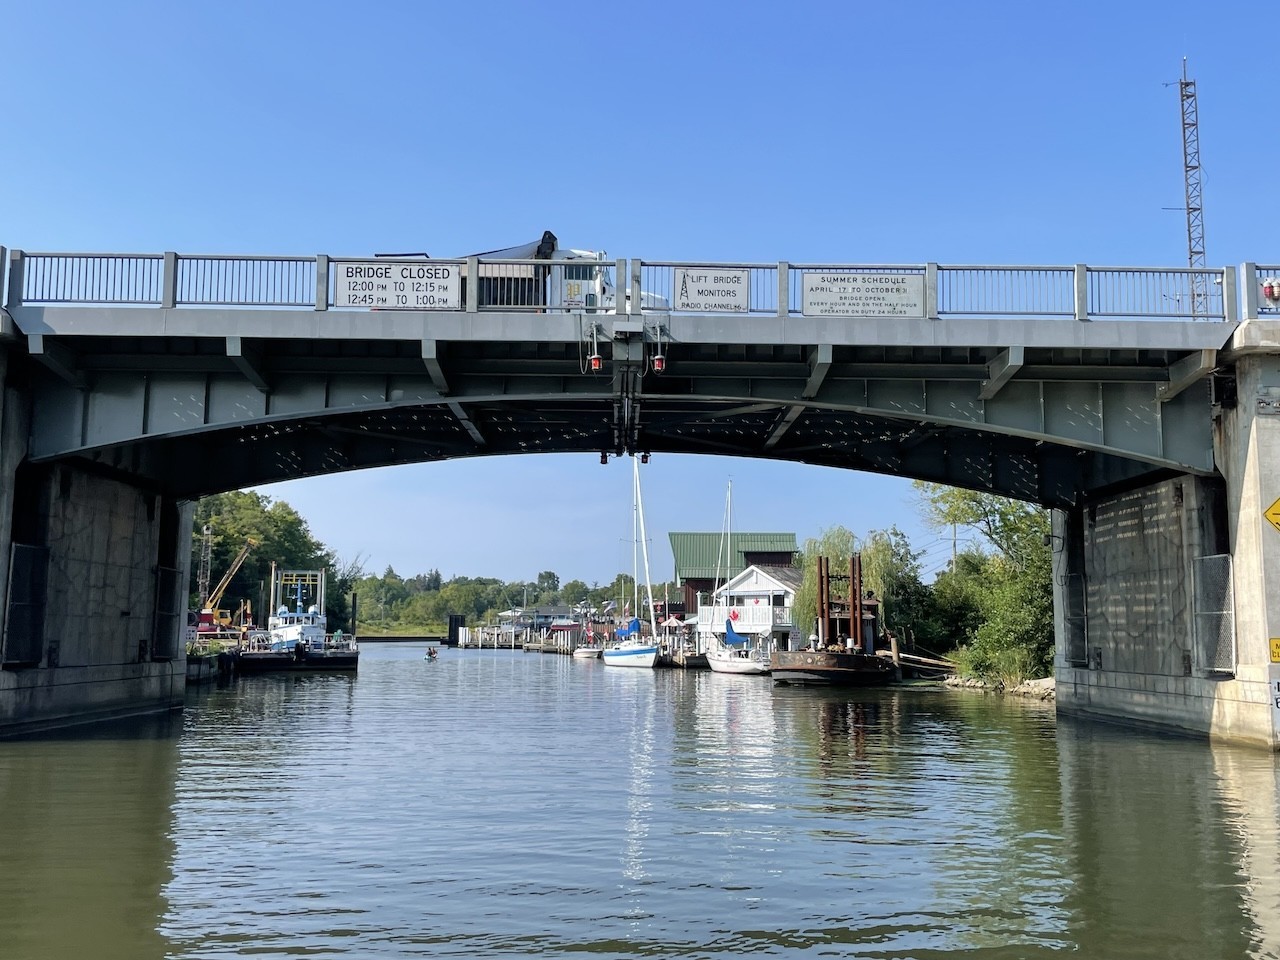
x=94 y=573
x=1167 y=598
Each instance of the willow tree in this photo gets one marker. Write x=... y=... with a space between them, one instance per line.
x=832 y=543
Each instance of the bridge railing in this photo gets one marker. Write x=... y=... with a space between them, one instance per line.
x=245 y=281
x=781 y=289
x=125 y=278
x=976 y=291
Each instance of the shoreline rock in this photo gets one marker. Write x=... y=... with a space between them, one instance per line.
x=1042 y=689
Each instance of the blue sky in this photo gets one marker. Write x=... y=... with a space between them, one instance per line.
x=998 y=133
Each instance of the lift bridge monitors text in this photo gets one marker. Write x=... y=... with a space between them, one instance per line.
x=397 y=284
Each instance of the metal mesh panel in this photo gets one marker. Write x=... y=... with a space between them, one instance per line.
x=24 y=626
x=1215 y=621
x=164 y=642
x=1077 y=624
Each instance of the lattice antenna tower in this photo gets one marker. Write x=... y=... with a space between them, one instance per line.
x=202 y=571
x=1194 y=207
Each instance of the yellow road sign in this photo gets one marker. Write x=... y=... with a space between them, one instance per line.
x=1273 y=514
x=1275 y=649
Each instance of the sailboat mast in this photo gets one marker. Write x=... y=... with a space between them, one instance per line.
x=635 y=538
x=644 y=547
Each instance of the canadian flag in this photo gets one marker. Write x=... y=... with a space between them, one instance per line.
x=733 y=615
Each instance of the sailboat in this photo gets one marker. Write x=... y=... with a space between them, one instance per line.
x=735 y=653
x=630 y=647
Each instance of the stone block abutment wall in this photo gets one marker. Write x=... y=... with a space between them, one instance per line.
x=94 y=573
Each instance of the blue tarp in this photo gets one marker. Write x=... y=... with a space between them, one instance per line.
x=732 y=638
x=632 y=629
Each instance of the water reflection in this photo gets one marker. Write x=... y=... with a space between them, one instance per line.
x=1160 y=845
x=85 y=847
x=508 y=804
x=1249 y=787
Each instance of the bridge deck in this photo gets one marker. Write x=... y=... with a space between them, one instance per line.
x=1039 y=382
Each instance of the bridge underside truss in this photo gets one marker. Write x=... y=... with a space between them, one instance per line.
x=1053 y=424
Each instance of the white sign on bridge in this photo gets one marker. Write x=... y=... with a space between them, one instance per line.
x=397 y=284
x=712 y=290
x=844 y=294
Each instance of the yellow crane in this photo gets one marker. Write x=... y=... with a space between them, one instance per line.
x=223 y=617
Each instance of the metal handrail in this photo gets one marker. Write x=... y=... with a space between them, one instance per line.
x=948 y=291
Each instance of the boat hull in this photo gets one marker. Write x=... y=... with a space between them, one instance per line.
x=278 y=661
x=644 y=657
x=822 y=668
x=721 y=661
x=586 y=653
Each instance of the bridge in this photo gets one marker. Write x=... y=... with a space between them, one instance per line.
x=1135 y=402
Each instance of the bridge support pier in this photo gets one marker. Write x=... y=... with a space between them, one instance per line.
x=93 y=575
x=1167 y=598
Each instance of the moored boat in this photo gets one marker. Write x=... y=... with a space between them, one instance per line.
x=843 y=651
x=298 y=639
x=736 y=654
x=830 y=668
x=631 y=649
x=589 y=648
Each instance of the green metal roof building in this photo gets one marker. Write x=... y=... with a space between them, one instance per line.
x=695 y=558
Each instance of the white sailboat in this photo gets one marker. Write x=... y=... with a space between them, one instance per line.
x=630 y=647
x=735 y=653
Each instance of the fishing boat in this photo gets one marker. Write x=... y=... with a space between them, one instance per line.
x=736 y=654
x=630 y=648
x=589 y=648
x=297 y=639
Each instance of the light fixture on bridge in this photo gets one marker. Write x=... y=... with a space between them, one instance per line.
x=594 y=360
x=644 y=457
x=1271 y=289
x=659 y=359
x=604 y=457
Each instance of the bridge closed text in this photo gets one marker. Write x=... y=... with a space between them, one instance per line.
x=397 y=285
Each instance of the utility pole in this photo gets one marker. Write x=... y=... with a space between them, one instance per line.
x=1194 y=208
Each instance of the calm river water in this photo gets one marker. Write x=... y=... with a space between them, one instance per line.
x=495 y=804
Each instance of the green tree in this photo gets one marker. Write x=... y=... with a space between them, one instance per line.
x=1011 y=587
x=575 y=592
x=891 y=570
x=281 y=536
x=548 y=584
